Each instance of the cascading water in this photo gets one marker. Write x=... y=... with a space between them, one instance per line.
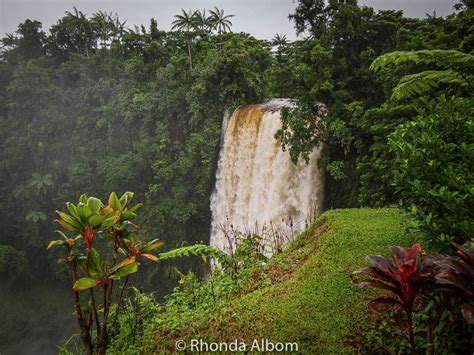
x=258 y=188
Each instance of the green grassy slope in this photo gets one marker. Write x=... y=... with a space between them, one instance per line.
x=305 y=294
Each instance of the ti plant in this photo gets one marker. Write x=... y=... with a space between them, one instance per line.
x=93 y=274
x=403 y=276
x=457 y=273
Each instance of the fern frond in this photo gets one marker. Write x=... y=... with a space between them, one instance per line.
x=200 y=250
x=420 y=83
x=444 y=59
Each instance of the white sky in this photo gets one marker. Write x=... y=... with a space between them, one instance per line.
x=261 y=18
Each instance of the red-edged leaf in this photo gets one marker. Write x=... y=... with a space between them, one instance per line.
x=379 y=261
x=415 y=250
x=153 y=245
x=378 y=284
x=125 y=271
x=85 y=283
x=384 y=304
x=399 y=255
x=124 y=263
x=374 y=272
x=151 y=257
x=450 y=278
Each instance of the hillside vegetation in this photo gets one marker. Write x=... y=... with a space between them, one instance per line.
x=305 y=294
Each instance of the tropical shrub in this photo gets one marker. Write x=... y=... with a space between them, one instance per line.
x=434 y=170
x=86 y=222
x=435 y=293
x=403 y=276
x=457 y=272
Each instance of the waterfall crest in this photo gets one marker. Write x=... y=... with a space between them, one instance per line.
x=257 y=185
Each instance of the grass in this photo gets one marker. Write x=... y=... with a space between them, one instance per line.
x=305 y=294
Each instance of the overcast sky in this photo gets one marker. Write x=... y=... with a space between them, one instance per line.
x=261 y=18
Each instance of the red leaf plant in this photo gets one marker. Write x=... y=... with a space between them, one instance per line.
x=457 y=274
x=403 y=275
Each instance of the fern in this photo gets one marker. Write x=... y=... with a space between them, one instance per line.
x=455 y=70
x=420 y=83
x=444 y=59
x=200 y=250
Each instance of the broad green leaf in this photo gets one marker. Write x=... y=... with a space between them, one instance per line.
x=83 y=199
x=85 y=283
x=84 y=211
x=67 y=226
x=88 y=267
x=94 y=204
x=153 y=245
x=114 y=202
x=125 y=271
x=82 y=261
x=107 y=212
x=127 y=216
x=72 y=208
x=94 y=220
x=96 y=261
x=69 y=219
x=126 y=198
x=109 y=222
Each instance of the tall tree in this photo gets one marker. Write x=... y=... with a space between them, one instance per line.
x=186 y=23
x=220 y=21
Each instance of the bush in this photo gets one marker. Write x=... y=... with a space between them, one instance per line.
x=434 y=165
x=434 y=292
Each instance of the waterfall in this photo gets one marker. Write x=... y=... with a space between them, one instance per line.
x=258 y=188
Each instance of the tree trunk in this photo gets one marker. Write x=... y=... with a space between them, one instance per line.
x=190 y=55
x=84 y=325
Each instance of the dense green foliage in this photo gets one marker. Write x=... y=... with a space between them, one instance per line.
x=434 y=169
x=332 y=66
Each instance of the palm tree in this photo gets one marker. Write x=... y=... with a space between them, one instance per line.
x=108 y=26
x=279 y=40
x=185 y=22
x=201 y=22
x=81 y=28
x=220 y=21
x=281 y=44
x=118 y=26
